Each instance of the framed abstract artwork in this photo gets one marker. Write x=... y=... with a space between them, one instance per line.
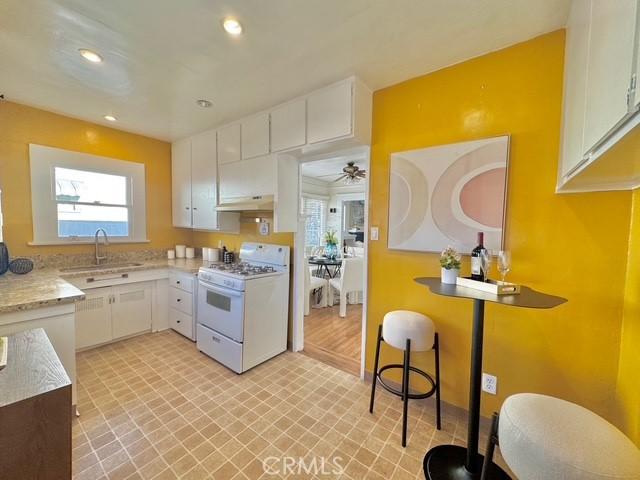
x=444 y=195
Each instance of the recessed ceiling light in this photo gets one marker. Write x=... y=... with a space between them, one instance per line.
x=90 y=55
x=110 y=118
x=232 y=26
x=204 y=103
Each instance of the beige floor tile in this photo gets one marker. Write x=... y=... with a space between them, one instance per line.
x=153 y=407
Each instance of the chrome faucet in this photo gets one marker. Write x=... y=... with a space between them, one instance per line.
x=99 y=257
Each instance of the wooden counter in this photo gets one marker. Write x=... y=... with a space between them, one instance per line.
x=35 y=411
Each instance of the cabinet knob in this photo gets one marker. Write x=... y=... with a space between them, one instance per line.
x=195 y=208
x=179 y=299
x=178 y=321
x=178 y=282
x=187 y=208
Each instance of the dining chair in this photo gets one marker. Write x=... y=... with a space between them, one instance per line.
x=351 y=280
x=311 y=284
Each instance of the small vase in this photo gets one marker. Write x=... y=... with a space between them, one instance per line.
x=331 y=251
x=449 y=276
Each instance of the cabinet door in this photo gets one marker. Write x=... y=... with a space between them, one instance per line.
x=93 y=318
x=203 y=180
x=229 y=144
x=255 y=136
x=248 y=178
x=609 y=67
x=181 y=183
x=289 y=126
x=329 y=113
x=131 y=309
x=575 y=78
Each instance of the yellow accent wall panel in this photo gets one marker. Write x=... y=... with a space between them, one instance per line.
x=21 y=125
x=628 y=386
x=561 y=244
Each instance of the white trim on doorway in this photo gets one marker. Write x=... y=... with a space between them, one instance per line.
x=297 y=342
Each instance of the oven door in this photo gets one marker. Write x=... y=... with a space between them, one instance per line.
x=221 y=309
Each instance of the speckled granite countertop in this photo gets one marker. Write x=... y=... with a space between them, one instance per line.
x=47 y=286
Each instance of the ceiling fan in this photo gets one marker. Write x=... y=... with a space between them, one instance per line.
x=351 y=174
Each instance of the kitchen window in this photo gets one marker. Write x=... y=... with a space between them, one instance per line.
x=74 y=194
x=315 y=211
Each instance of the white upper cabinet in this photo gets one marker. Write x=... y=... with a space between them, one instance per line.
x=194 y=170
x=229 y=147
x=289 y=125
x=181 y=183
x=255 y=136
x=575 y=84
x=329 y=113
x=599 y=107
x=611 y=51
x=204 y=180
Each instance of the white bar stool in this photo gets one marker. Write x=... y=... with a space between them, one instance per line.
x=542 y=437
x=407 y=331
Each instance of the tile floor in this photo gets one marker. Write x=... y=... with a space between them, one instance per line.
x=154 y=407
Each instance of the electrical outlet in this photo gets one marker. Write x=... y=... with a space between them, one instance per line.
x=374 y=233
x=264 y=228
x=489 y=383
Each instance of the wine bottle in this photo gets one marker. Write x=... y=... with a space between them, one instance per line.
x=476 y=259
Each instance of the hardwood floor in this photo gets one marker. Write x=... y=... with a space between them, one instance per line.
x=333 y=340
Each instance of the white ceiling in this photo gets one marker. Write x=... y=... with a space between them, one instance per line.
x=162 y=55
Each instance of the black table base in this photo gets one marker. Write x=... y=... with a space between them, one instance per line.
x=447 y=462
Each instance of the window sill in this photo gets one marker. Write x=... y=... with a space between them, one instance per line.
x=83 y=242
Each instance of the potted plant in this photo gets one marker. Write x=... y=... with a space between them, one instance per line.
x=331 y=242
x=450 y=263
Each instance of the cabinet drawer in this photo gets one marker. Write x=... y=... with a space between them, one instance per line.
x=181 y=300
x=183 y=282
x=181 y=322
x=220 y=348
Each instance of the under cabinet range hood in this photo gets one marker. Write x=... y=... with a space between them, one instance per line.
x=246 y=204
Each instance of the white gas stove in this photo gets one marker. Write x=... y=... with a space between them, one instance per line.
x=243 y=308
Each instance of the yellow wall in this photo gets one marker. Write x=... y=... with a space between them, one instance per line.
x=628 y=387
x=21 y=125
x=561 y=244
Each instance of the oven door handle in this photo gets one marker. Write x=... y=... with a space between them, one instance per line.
x=221 y=290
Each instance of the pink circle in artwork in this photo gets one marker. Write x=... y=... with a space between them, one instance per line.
x=482 y=197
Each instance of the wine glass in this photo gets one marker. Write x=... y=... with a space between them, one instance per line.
x=504 y=263
x=485 y=262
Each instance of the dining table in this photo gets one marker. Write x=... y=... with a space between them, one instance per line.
x=452 y=462
x=324 y=263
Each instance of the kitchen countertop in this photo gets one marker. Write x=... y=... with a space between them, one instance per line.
x=47 y=287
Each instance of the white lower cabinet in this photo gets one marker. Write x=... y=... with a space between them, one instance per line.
x=93 y=318
x=182 y=303
x=109 y=313
x=131 y=309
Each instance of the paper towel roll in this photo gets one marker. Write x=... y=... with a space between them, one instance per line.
x=181 y=251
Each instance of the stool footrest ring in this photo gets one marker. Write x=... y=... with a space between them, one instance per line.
x=395 y=391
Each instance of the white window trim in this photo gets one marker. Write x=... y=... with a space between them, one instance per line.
x=43 y=162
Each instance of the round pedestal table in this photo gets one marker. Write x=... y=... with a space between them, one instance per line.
x=452 y=462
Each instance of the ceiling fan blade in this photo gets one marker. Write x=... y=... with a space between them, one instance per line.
x=342 y=177
x=361 y=173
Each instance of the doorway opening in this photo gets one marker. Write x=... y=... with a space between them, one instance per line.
x=331 y=249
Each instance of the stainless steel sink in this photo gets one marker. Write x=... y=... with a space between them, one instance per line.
x=105 y=266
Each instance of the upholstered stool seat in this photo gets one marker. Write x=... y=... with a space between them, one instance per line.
x=542 y=437
x=410 y=332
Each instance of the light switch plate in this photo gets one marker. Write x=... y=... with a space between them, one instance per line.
x=374 y=233
x=264 y=228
